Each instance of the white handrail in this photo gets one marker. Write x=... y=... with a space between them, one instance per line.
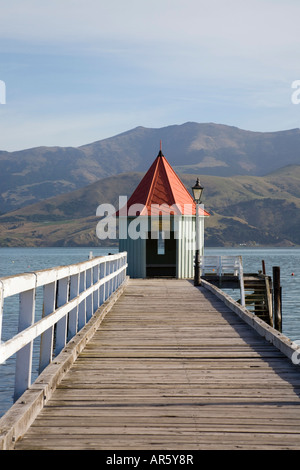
x=222 y=265
x=71 y=295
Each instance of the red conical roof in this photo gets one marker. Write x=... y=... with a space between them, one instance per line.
x=159 y=186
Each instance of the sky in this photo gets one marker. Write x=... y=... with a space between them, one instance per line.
x=78 y=71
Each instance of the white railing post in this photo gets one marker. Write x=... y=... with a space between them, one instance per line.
x=61 y=326
x=108 y=283
x=114 y=278
x=111 y=282
x=220 y=269
x=82 y=309
x=114 y=268
x=111 y=270
x=102 y=287
x=24 y=355
x=96 y=295
x=89 y=299
x=46 y=349
x=119 y=265
x=73 y=315
x=241 y=278
x=120 y=261
x=237 y=264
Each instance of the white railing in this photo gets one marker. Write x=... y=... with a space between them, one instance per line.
x=222 y=266
x=71 y=295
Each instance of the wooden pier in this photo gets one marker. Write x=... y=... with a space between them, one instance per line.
x=171 y=366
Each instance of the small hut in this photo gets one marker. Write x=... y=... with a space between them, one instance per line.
x=157 y=226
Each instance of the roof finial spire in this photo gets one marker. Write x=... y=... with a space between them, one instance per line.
x=160 y=151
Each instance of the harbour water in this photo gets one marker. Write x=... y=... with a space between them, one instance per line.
x=18 y=260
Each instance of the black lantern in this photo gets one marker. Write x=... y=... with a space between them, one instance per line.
x=197 y=191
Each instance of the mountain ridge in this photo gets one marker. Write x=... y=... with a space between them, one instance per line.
x=248 y=210
x=30 y=175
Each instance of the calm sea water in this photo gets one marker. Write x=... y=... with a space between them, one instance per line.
x=19 y=260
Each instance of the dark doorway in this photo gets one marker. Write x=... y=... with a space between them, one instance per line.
x=161 y=256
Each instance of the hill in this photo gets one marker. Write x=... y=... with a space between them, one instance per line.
x=244 y=210
x=32 y=175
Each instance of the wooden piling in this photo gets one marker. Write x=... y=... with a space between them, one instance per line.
x=277 y=299
x=197 y=273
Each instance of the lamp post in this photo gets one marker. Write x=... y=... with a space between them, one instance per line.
x=197 y=193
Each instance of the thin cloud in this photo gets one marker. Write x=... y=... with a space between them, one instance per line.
x=241 y=23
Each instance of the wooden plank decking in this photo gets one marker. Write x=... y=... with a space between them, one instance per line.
x=171 y=367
